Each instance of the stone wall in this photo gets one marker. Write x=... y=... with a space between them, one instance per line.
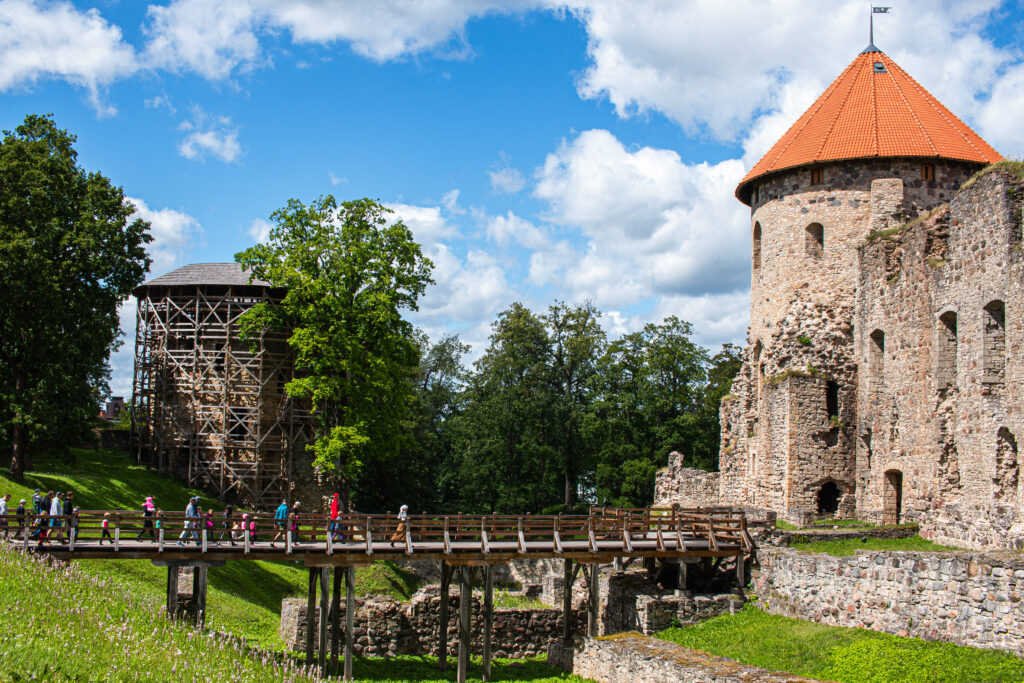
x=385 y=627
x=685 y=486
x=633 y=658
x=965 y=599
x=633 y=603
x=942 y=406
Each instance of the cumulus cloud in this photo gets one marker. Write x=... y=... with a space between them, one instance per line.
x=174 y=233
x=40 y=40
x=259 y=230
x=427 y=223
x=506 y=179
x=651 y=225
x=208 y=135
x=208 y=38
x=510 y=228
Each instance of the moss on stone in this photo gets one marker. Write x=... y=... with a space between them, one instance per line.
x=1013 y=167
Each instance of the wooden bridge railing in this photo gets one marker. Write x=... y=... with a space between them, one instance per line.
x=364 y=533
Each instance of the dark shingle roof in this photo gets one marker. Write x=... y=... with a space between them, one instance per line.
x=205 y=274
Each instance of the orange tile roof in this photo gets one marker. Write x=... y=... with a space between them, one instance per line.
x=870 y=114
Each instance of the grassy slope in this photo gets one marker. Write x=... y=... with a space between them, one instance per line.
x=244 y=597
x=842 y=654
x=61 y=623
x=852 y=545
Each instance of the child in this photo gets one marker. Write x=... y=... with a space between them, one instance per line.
x=252 y=528
x=208 y=528
x=159 y=520
x=105 y=525
x=293 y=528
x=73 y=526
x=20 y=516
x=225 y=527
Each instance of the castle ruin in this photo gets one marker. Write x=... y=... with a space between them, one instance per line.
x=881 y=377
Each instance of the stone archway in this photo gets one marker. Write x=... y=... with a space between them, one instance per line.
x=892 y=497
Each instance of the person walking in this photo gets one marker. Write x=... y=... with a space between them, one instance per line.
x=225 y=525
x=42 y=509
x=38 y=507
x=73 y=526
x=4 y=524
x=403 y=517
x=335 y=514
x=56 y=512
x=19 y=516
x=69 y=509
x=208 y=528
x=280 y=521
x=191 y=513
x=148 y=510
x=105 y=526
x=293 y=518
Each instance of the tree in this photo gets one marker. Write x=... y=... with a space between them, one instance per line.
x=722 y=369
x=349 y=271
x=69 y=257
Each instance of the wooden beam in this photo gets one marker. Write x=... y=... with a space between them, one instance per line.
x=593 y=600
x=199 y=576
x=567 y=580
x=488 y=619
x=310 y=615
x=442 y=634
x=465 y=626
x=335 y=616
x=325 y=573
x=172 y=590
x=350 y=616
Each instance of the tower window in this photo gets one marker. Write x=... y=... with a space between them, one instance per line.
x=994 y=345
x=832 y=399
x=927 y=171
x=814 y=240
x=880 y=68
x=755 y=250
x=876 y=359
x=945 y=371
x=817 y=176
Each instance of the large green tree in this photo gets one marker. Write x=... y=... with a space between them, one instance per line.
x=69 y=256
x=349 y=270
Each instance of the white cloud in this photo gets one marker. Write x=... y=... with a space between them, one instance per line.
x=208 y=135
x=510 y=228
x=259 y=230
x=40 y=40
x=506 y=180
x=161 y=102
x=208 y=38
x=651 y=225
x=174 y=233
x=335 y=180
x=426 y=222
x=466 y=292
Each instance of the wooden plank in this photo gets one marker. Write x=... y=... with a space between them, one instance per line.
x=369 y=537
x=465 y=626
x=567 y=580
x=310 y=615
x=335 y=615
x=325 y=573
x=442 y=632
x=488 y=619
x=447 y=539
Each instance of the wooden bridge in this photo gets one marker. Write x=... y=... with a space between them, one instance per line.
x=460 y=543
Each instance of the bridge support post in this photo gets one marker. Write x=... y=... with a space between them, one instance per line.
x=199 y=575
x=592 y=600
x=325 y=594
x=172 y=591
x=567 y=579
x=310 y=614
x=442 y=634
x=350 y=615
x=465 y=634
x=488 y=618
x=335 y=616
x=681 y=576
x=740 y=574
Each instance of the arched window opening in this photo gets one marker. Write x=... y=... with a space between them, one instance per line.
x=814 y=240
x=1007 y=468
x=994 y=346
x=892 y=497
x=832 y=399
x=945 y=371
x=828 y=498
x=755 y=250
x=876 y=361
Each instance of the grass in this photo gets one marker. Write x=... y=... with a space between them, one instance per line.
x=244 y=597
x=842 y=522
x=784 y=525
x=504 y=599
x=847 y=655
x=850 y=546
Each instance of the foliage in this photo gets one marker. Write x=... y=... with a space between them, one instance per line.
x=834 y=653
x=69 y=257
x=349 y=271
x=804 y=340
x=852 y=545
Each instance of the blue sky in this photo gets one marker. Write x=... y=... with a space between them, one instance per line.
x=540 y=150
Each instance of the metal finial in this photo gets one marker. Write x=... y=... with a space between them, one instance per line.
x=871 y=28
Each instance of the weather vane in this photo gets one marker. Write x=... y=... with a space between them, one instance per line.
x=874 y=11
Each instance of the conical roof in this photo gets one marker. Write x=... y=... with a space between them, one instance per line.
x=873 y=110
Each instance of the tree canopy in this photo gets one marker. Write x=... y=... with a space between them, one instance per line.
x=70 y=255
x=350 y=271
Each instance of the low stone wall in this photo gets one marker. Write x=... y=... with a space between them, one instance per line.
x=976 y=526
x=385 y=627
x=685 y=486
x=635 y=604
x=780 y=537
x=632 y=658
x=957 y=597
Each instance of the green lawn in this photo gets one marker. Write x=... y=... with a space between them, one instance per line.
x=244 y=597
x=847 y=655
x=850 y=546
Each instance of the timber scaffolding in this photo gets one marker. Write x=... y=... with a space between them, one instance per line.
x=207 y=406
x=462 y=544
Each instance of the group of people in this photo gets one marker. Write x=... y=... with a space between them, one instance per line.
x=55 y=518
x=55 y=515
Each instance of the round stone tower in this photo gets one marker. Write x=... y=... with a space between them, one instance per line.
x=875 y=151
